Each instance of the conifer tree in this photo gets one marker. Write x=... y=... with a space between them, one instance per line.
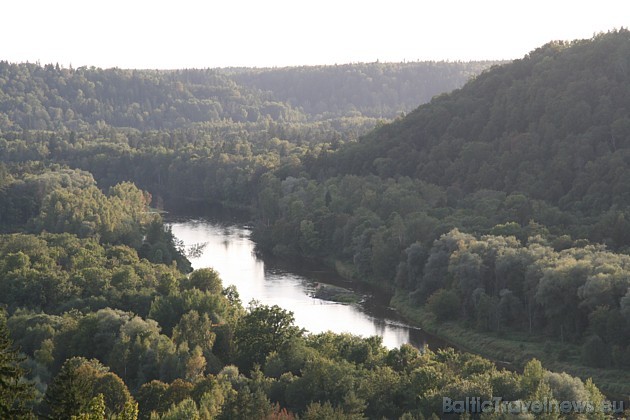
x=15 y=393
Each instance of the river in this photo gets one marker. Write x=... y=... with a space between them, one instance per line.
x=230 y=251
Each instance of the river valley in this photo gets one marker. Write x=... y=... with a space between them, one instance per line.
x=228 y=249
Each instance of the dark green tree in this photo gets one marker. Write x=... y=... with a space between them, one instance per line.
x=70 y=392
x=15 y=391
x=207 y=280
x=262 y=330
x=444 y=304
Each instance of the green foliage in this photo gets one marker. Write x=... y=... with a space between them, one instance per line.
x=196 y=330
x=533 y=374
x=29 y=184
x=150 y=398
x=503 y=284
x=94 y=411
x=444 y=304
x=88 y=212
x=85 y=388
x=115 y=392
x=374 y=89
x=262 y=330
x=471 y=204
x=318 y=411
x=547 y=135
x=187 y=409
x=70 y=392
x=15 y=393
x=53 y=98
x=595 y=352
x=59 y=272
x=206 y=280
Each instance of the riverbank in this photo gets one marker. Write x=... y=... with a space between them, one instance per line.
x=516 y=349
x=229 y=250
x=511 y=350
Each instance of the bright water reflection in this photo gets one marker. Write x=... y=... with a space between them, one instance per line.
x=229 y=250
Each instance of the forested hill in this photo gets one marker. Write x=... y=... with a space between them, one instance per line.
x=49 y=97
x=554 y=125
x=499 y=213
x=473 y=210
x=374 y=89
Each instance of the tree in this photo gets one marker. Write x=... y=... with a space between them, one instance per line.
x=402 y=358
x=74 y=389
x=15 y=393
x=178 y=391
x=70 y=391
x=444 y=304
x=94 y=411
x=186 y=409
x=309 y=238
x=325 y=411
x=557 y=293
x=195 y=365
x=247 y=404
x=207 y=280
x=150 y=398
x=115 y=393
x=324 y=379
x=196 y=330
x=485 y=310
x=533 y=374
x=263 y=330
x=212 y=396
x=416 y=259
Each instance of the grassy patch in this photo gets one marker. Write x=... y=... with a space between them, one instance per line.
x=335 y=293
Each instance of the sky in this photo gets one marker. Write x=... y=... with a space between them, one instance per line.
x=274 y=33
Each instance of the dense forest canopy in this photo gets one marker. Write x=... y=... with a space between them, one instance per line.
x=35 y=97
x=553 y=125
x=533 y=153
x=381 y=90
x=499 y=210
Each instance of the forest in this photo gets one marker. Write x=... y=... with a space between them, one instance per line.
x=498 y=209
x=106 y=333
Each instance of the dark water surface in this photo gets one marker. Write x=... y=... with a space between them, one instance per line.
x=229 y=250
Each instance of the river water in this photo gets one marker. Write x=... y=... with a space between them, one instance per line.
x=230 y=251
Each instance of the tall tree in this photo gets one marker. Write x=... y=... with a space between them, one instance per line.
x=15 y=393
x=263 y=330
x=69 y=394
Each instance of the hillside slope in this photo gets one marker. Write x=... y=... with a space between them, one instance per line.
x=554 y=125
x=371 y=89
x=497 y=214
x=35 y=97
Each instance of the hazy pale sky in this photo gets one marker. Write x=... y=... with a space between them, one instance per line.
x=263 y=33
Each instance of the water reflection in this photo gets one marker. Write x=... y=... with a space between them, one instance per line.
x=230 y=251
